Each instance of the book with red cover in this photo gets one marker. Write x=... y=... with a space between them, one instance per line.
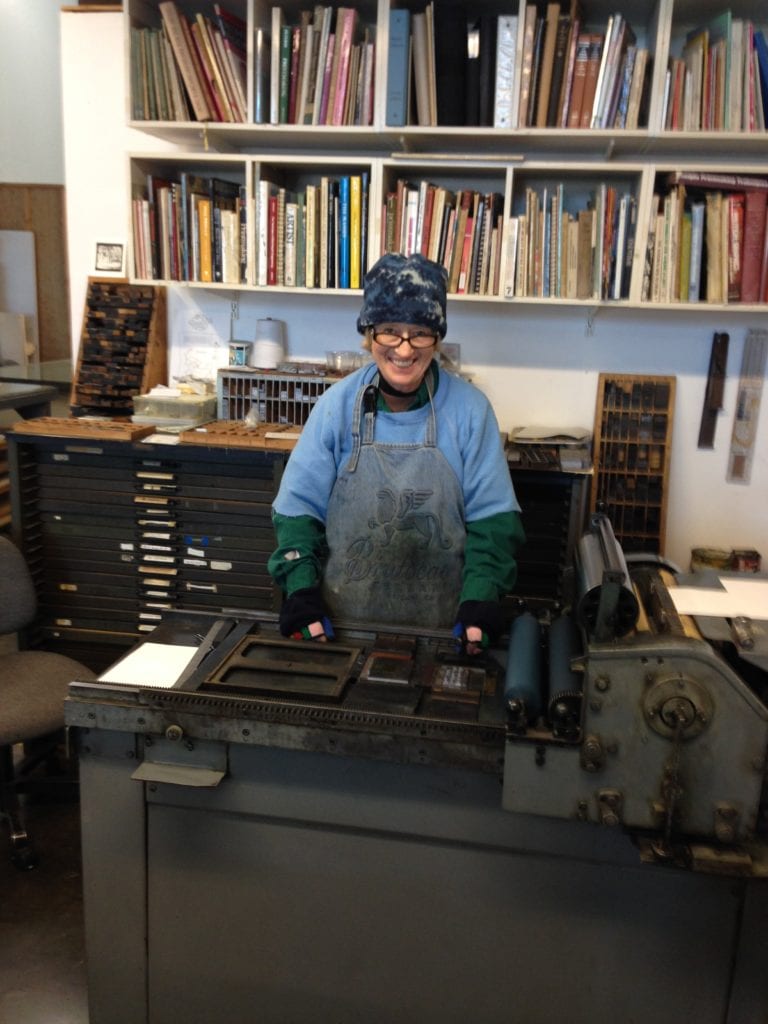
x=576 y=99
x=590 y=79
x=272 y=239
x=755 y=206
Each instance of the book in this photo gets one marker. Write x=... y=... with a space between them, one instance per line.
x=735 y=240
x=261 y=75
x=551 y=22
x=216 y=98
x=344 y=232
x=636 y=89
x=506 y=54
x=763 y=290
x=755 y=205
x=622 y=38
x=566 y=90
x=205 y=235
x=559 y=61
x=585 y=245
x=618 y=116
x=327 y=76
x=594 y=118
x=717 y=180
x=346 y=25
x=322 y=35
x=275 y=66
x=488 y=33
x=293 y=73
x=581 y=57
x=202 y=31
x=714 y=249
x=697 y=251
x=284 y=73
x=290 y=243
x=311 y=242
x=538 y=46
x=355 y=229
x=450 y=63
x=174 y=22
x=306 y=71
x=420 y=67
x=594 y=56
x=526 y=67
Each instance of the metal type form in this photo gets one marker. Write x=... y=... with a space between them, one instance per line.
x=261 y=665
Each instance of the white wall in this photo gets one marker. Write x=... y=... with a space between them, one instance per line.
x=538 y=366
x=30 y=94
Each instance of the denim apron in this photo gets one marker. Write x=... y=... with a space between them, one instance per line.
x=395 y=529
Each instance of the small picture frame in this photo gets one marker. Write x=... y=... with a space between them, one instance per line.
x=110 y=257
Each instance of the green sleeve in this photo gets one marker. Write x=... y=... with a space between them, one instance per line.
x=490 y=565
x=299 y=558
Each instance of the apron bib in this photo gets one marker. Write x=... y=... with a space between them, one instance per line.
x=395 y=529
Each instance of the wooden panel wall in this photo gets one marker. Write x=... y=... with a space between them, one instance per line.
x=40 y=209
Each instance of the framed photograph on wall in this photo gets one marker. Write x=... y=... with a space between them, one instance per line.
x=110 y=257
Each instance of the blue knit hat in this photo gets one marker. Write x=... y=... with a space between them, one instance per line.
x=404 y=290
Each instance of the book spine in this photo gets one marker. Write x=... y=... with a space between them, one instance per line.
x=697 y=248
x=205 y=232
x=178 y=38
x=348 y=25
x=355 y=231
x=275 y=64
x=506 y=52
x=344 y=232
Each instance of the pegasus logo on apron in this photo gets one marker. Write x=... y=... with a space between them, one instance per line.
x=400 y=512
x=402 y=523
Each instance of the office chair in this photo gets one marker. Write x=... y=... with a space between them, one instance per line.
x=33 y=685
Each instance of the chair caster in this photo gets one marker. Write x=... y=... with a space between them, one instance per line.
x=23 y=854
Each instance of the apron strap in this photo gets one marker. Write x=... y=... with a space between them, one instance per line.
x=364 y=419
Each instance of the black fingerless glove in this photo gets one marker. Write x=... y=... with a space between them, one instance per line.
x=486 y=615
x=301 y=609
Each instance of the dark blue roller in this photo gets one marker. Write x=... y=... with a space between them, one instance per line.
x=564 y=644
x=523 y=682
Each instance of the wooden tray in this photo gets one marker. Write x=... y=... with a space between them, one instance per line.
x=92 y=429
x=237 y=435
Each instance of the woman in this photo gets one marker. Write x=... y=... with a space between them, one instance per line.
x=396 y=506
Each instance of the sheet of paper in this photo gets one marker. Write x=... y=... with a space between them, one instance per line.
x=158 y=665
x=738 y=597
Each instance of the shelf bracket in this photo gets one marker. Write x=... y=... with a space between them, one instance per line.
x=589 y=326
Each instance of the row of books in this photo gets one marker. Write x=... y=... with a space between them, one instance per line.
x=321 y=72
x=460 y=229
x=574 y=78
x=708 y=240
x=316 y=237
x=209 y=75
x=720 y=80
x=157 y=91
x=193 y=229
x=553 y=252
x=445 y=67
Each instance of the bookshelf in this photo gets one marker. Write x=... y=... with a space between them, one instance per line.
x=507 y=166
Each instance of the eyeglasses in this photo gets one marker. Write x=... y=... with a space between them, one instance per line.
x=391 y=338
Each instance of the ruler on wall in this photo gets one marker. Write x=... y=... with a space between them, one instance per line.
x=744 y=434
